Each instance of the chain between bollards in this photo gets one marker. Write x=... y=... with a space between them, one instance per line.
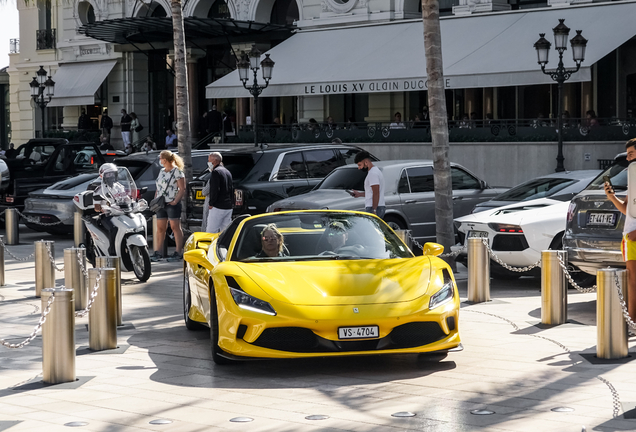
x=35 y=331
x=52 y=258
x=4 y=246
x=91 y=300
x=574 y=284
x=623 y=304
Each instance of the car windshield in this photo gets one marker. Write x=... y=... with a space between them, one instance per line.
x=618 y=176
x=534 y=189
x=311 y=236
x=345 y=178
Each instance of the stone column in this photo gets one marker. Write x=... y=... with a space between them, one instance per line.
x=192 y=57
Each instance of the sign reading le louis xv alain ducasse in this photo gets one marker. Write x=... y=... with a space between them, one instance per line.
x=370 y=86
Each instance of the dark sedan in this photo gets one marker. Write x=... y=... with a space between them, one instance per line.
x=408 y=192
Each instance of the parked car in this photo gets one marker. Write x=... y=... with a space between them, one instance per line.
x=263 y=176
x=303 y=302
x=408 y=193
x=518 y=232
x=43 y=162
x=594 y=227
x=55 y=203
x=559 y=187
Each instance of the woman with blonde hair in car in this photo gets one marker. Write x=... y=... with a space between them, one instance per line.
x=272 y=242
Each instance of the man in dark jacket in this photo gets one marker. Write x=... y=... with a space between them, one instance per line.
x=84 y=121
x=106 y=125
x=221 y=195
x=215 y=120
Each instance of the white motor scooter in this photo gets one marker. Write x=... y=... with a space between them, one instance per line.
x=121 y=194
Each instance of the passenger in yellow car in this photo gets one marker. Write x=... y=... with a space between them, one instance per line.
x=272 y=243
x=337 y=236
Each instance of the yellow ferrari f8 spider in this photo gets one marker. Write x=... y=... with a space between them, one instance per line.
x=317 y=283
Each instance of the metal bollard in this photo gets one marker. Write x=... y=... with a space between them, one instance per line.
x=611 y=326
x=102 y=318
x=2 y=262
x=478 y=271
x=44 y=269
x=155 y=238
x=73 y=276
x=113 y=262
x=79 y=229
x=11 y=220
x=58 y=337
x=554 y=289
x=405 y=236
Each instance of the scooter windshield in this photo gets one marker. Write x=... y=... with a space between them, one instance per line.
x=119 y=188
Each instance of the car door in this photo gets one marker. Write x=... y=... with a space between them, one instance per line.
x=319 y=163
x=467 y=192
x=417 y=198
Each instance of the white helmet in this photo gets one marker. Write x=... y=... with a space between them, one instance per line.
x=107 y=167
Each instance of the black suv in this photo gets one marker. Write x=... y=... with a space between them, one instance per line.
x=264 y=176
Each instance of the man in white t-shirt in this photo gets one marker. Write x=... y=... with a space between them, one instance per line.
x=373 y=185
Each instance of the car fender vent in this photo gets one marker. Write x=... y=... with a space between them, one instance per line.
x=232 y=283
x=241 y=331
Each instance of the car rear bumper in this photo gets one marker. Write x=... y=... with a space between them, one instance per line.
x=49 y=211
x=591 y=260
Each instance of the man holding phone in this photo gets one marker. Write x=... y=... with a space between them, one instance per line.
x=373 y=185
x=628 y=245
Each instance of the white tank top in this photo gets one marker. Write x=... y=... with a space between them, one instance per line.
x=630 y=221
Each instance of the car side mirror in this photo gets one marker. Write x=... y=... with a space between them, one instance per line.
x=483 y=184
x=432 y=249
x=198 y=256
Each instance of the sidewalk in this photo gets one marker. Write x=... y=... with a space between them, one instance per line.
x=510 y=365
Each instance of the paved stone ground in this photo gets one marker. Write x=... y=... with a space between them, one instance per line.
x=162 y=371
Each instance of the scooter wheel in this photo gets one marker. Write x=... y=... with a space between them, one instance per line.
x=140 y=259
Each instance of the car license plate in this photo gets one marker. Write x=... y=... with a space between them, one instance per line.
x=477 y=234
x=601 y=219
x=199 y=195
x=358 y=332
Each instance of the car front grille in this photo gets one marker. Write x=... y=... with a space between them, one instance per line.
x=509 y=242
x=298 y=339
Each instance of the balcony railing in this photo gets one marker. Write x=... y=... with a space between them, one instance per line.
x=14 y=46
x=45 y=39
x=502 y=130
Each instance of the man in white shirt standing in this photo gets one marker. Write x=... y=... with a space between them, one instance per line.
x=373 y=185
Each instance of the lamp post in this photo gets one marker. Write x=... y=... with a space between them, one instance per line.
x=561 y=74
x=253 y=61
x=42 y=90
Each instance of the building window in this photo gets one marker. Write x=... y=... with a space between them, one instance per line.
x=285 y=12
x=86 y=12
x=219 y=9
x=45 y=39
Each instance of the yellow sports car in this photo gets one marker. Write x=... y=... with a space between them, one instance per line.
x=317 y=283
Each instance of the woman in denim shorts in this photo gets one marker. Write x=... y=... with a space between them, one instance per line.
x=170 y=184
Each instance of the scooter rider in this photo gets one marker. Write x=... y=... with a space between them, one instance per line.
x=109 y=189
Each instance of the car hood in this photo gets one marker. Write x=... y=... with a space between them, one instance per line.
x=346 y=282
x=520 y=217
x=321 y=199
x=511 y=212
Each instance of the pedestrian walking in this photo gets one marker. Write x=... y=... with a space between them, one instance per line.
x=220 y=195
x=373 y=185
x=134 y=124
x=214 y=121
x=106 y=124
x=628 y=245
x=170 y=184
x=126 y=121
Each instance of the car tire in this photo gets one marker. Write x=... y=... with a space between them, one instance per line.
x=217 y=352
x=395 y=222
x=187 y=303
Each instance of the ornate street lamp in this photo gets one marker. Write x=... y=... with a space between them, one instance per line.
x=253 y=61
x=42 y=90
x=561 y=74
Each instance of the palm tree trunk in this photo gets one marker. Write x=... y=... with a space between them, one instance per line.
x=181 y=96
x=439 y=124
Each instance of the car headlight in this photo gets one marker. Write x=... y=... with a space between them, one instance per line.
x=246 y=301
x=444 y=295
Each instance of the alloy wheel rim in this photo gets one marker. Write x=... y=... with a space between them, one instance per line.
x=137 y=260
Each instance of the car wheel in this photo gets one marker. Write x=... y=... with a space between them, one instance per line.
x=217 y=352
x=187 y=303
x=395 y=222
